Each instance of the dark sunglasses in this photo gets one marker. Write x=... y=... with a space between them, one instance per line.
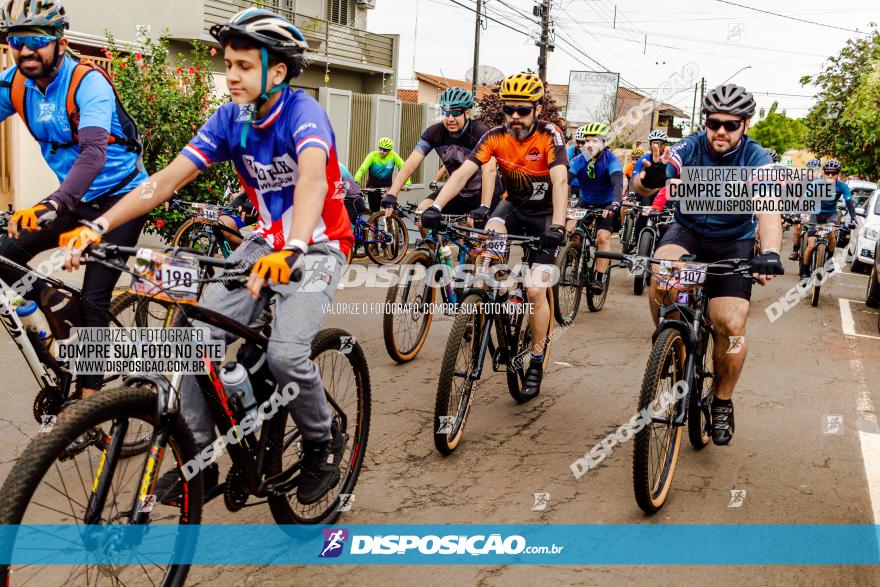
x=33 y=43
x=521 y=110
x=580 y=143
x=831 y=172
x=454 y=112
x=729 y=125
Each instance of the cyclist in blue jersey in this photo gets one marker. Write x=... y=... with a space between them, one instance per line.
x=283 y=148
x=96 y=159
x=718 y=237
x=797 y=229
x=828 y=212
x=600 y=176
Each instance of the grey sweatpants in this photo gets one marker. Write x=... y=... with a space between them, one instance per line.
x=299 y=312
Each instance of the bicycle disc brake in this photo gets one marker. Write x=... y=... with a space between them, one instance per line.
x=47 y=403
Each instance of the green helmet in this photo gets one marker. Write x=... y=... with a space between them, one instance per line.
x=593 y=129
x=456 y=98
x=28 y=14
x=386 y=144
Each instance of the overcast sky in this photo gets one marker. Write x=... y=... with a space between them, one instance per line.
x=438 y=35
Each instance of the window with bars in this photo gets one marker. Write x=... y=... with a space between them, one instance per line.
x=338 y=12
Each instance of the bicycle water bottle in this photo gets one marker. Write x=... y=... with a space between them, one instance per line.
x=446 y=260
x=34 y=320
x=237 y=384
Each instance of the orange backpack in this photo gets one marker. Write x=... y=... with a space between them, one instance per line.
x=130 y=140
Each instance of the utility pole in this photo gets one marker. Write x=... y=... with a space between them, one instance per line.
x=694 y=109
x=475 y=75
x=544 y=43
x=702 y=95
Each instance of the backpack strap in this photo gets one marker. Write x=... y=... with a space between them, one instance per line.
x=17 y=91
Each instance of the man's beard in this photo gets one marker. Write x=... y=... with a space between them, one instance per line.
x=519 y=133
x=44 y=71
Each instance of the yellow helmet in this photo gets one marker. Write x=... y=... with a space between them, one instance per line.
x=522 y=87
x=638 y=153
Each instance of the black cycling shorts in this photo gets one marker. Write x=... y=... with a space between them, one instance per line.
x=610 y=223
x=463 y=204
x=717 y=286
x=821 y=219
x=526 y=224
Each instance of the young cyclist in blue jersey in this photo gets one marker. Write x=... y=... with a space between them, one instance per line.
x=600 y=176
x=828 y=212
x=95 y=154
x=351 y=191
x=719 y=237
x=283 y=148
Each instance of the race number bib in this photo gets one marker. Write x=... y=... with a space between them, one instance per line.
x=165 y=277
x=539 y=190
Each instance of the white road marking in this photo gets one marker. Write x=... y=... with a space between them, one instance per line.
x=868 y=441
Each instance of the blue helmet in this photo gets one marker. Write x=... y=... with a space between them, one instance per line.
x=831 y=165
x=814 y=164
x=456 y=98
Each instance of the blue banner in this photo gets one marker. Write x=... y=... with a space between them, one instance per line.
x=482 y=544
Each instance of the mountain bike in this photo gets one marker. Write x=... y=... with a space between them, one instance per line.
x=823 y=250
x=577 y=266
x=647 y=241
x=383 y=240
x=204 y=232
x=52 y=484
x=630 y=210
x=488 y=322
x=679 y=376
x=410 y=298
x=54 y=377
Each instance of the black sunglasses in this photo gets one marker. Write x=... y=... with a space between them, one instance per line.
x=521 y=110
x=729 y=125
x=831 y=172
x=454 y=112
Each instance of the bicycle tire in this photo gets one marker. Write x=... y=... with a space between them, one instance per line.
x=699 y=409
x=595 y=302
x=523 y=339
x=651 y=493
x=646 y=248
x=567 y=294
x=397 y=351
x=626 y=234
x=388 y=254
x=330 y=339
x=77 y=420
x=820 y=252
x=189 y=232
x=469 y=313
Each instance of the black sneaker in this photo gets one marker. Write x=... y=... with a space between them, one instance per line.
x=169 y=490
x=532 y=383
x=319 y=472
x=722 y=422
x=794 y=256
x=597 y=286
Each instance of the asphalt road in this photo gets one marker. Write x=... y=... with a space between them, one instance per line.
x=810 y=365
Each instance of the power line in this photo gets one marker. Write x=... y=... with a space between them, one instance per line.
x=791 y=17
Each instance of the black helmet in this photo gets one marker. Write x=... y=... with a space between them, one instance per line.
x=729 y=99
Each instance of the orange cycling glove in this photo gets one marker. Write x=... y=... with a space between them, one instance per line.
x=280 y=267
x=79 y=238
x=29 y=218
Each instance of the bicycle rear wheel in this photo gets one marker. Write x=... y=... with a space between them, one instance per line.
x=346 y=377
x=52 y=483
x=567 y=292
x=455 y=389
x=405 y=328
x=519 y=360
x=197 y=235
x=819 y=258
x=655 y=453
x=390 y=237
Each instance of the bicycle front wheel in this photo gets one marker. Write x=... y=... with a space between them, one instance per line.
x=655 y=453
x=195 y=234
x=388 y=240
x=54 y=480
x=408 y=312
x=699 y=398
x=567 y=292
x=819 y=258
x=455 y=389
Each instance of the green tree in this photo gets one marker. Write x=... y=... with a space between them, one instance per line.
x=169 y=105
x=778 y=131
x=839 y=124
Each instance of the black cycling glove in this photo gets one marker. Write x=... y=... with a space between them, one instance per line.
x=767 y=264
